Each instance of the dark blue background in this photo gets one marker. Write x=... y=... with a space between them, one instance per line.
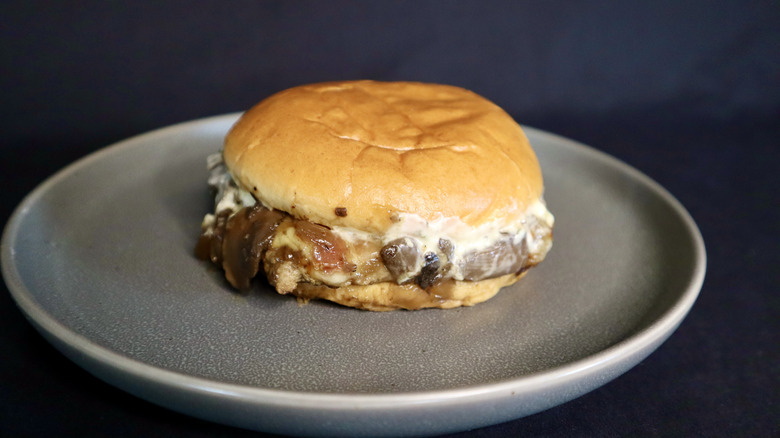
x=687 y=92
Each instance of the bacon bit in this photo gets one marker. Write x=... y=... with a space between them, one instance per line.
x=328 y=250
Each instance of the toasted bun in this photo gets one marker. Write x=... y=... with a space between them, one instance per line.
x=409 y=296
x=357 y=153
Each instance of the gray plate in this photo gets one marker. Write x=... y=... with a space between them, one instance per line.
x=99 y=258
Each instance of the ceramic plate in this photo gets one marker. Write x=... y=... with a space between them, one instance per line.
x=99 y=258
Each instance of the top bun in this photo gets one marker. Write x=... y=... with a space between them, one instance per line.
x=358 y=153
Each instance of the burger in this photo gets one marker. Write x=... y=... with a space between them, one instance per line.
x=378 y=196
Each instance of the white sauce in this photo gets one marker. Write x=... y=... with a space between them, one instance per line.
x=533 y=225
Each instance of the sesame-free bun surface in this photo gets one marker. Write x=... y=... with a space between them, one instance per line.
x=392 y=296
x=356 y=153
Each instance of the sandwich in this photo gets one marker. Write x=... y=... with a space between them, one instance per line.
x=378 y=196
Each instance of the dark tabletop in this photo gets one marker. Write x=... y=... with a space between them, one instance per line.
x=687 y=92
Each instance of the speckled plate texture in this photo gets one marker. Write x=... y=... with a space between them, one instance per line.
x=100 y=259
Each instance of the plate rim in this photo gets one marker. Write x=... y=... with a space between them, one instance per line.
x=642 y=342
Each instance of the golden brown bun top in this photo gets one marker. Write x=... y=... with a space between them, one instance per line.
x=357 y=153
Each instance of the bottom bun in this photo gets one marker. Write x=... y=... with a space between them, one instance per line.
x=392 y=296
